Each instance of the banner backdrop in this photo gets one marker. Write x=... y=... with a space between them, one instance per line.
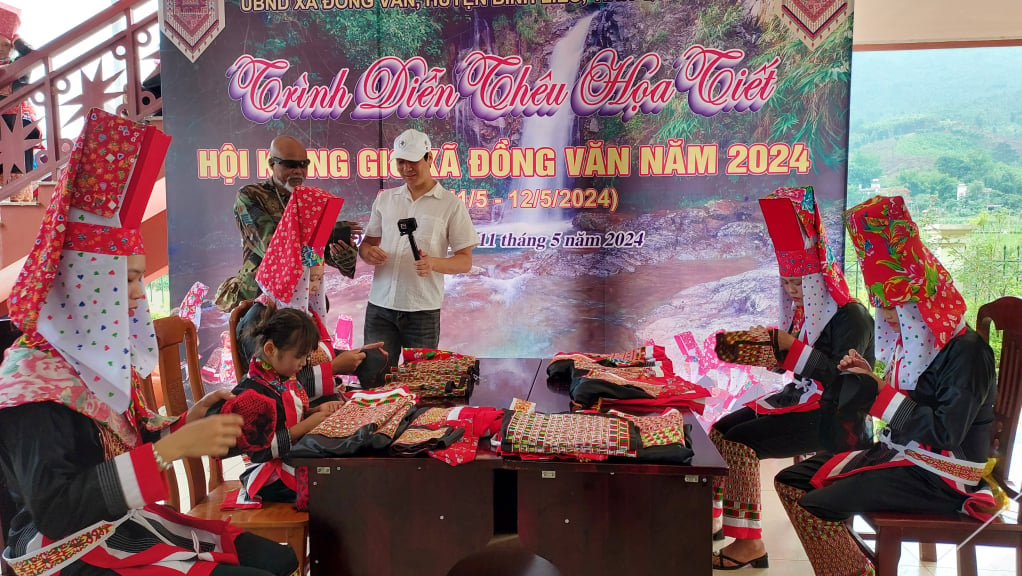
x=611 y=153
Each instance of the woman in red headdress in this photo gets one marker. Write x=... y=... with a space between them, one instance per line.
x=819 y=323
x=81 y=455
x=937 y=397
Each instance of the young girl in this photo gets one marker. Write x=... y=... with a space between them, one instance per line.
x=285 y=338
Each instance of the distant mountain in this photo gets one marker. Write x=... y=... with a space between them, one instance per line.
x=957 y=84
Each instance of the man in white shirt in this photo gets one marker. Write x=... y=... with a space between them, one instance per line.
x=406 y=295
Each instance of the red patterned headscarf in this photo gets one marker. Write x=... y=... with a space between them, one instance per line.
x=291 y=249
x=900 y=272
x=800 y=241
x=71 y=291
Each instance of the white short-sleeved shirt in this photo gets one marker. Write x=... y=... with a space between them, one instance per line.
x=442 y=223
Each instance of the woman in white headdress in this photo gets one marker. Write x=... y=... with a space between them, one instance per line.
x=82 y=456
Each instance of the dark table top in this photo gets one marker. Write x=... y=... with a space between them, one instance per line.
x=503 y=379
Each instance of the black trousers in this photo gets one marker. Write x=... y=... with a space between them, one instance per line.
x=772 y=435
x=905 y=489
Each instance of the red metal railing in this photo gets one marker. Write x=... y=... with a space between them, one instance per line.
x=107 y=58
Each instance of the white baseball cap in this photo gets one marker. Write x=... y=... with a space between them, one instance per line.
x=411 y=145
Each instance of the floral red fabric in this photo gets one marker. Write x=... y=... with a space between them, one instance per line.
x=793 y=220
x=898 y=269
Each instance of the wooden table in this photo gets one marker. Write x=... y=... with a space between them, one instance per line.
x=419 y=516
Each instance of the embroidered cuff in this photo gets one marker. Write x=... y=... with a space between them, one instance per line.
x=280 y=444
x=139 y=477
x=324 y=379
x=797 y=357
x=891 y=406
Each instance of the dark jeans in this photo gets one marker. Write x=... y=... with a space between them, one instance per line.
x=397 y=329
x=905 y=489
x=772 y=435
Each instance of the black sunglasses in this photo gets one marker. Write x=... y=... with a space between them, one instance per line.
x=290 y=164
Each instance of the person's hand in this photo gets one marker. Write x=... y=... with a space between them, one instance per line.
x=314 y=419
x=784 y=340
x=346 y=362
x=374 y=255
x=200 y=408
x=424 y=265
x=328 y=407
x=210 y=436
x=854 y=362
x=342 y=255
x=356 y=229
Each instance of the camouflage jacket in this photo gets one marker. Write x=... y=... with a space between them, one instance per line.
x=257 y=209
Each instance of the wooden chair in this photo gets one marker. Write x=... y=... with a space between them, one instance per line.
x=892 y=528
x=277 y=521
x=232 y=326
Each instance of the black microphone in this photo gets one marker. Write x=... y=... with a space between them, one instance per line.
x=407 y=226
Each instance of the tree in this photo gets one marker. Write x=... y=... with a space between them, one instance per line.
x=863 y=168
x=952 y=166
x=929 y=182
x=1004 y=152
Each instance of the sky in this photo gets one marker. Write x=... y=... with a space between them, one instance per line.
x=42 y=21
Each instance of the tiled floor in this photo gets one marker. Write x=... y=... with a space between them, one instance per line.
x=788 y=559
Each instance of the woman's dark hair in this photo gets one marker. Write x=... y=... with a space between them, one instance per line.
x=288 y=329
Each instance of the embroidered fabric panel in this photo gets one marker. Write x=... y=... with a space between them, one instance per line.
x=451 y=375
x=415 y=435
x=389 y=427
x=568 y=434
x=643 y=356
x=659 y=429
x=432 y=416
x=362 y=411
x=831 y=549
x=52 y=558
x=752 y=347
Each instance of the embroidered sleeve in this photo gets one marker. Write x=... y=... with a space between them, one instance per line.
x=850 y=328
x=139 y=477
x=281 y=444
x=949 y=395
x=317 y=380
x=60 y=472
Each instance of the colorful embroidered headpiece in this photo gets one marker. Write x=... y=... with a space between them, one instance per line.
x=800 y=241
x=898 y=269
x=298 y=241
x=10 y=21
x=72 y=290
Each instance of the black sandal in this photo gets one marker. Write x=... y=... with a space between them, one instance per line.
x=719 y=558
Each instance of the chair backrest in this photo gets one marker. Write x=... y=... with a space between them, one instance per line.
x=171 y=333
x=1006 y=315
x=236 y=315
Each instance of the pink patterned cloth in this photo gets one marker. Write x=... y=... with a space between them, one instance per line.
x=191 y=305
x=282 y=266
